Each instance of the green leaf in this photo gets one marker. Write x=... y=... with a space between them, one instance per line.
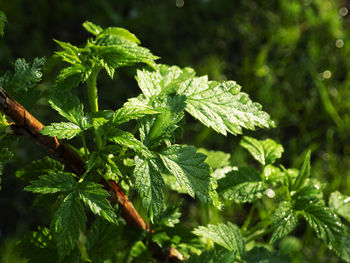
x=95 y=198
x=119 y=32
x=243 y=185
x=123 y=138
x=21 y=83
x=264 y=151
x=52 y=183
x=213 y=256
x=323 y=221
x=38 y=168
x=67 y=222
x=263 y=255
x=62 y=130
x=67 y=105
x=304 y=173
x=216 y=159
x=227 y=236
x=70 y=53
x=340 y=204
x=3 y=21
x=222 y=106
x=132 y=111
x=166 y=80
x=190 y=170
x=69 y=77
x=149 y=183
x=92 y=28
x=284 y=221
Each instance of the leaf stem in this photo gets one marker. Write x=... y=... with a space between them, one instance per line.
x=249 y=218
x=93 y=96
x=83 y=140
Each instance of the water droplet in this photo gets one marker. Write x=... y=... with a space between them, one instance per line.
x=244 y=98
x=259 y=195
x=283 y=213
x=270 y=193
x=327 y=74
x=339 y=43
x=310 y=202
x=235 y=89
x=317 y=186
x=343 y=11
x=79 y=54
x=347 y=200
x=180 y=3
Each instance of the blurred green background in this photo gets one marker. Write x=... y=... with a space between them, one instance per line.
x=291 y=56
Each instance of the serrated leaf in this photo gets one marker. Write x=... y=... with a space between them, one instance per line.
x=340 y=204
x=70 y=53
x=213 y=256
x=190 y=170
x=62 y=130
x=243 y=185
x=263 y=255
x=95 y=198
x=222 y=106
x=67 y=105
x=132 y=111
x=284 y=221
x=264 y=151
x=3 y=21
x=92 y=28
x=69 y=77
x=38 y=168
x=52 y=183
x=216 y=159
x=304 y=173
x=20 y=84
x=149 y=183
x=67 y=222
x=123 y=138
x=323 y=221
x=227 y=236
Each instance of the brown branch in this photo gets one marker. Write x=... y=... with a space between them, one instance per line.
x=28 y=125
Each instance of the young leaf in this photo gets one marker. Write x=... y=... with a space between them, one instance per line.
x=96 y=199
x=222 y=106
x=149 y=183
x=92 y=28
x=324 y=222
x=52 y=183
x=69 y=77
x=304 y=173
x=67 y=222
x=62 y=130
x=119 y=32
x=264 y=151
x=3 y=21
x=123 y=138
x=340 y=204
x=38 y=168
x=190 y=170
x=131 y=111
x=227 y=236
x=284 y=220
x=67 y=105
x=70 y=53
x=243 y=185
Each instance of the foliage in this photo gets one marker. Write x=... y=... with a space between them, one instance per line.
x=138 y=146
